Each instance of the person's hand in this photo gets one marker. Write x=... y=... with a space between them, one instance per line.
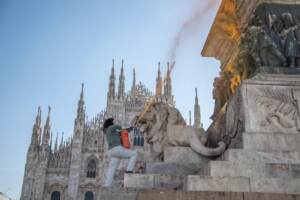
x=130 y=128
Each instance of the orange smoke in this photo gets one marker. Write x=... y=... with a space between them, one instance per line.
x=190 y=25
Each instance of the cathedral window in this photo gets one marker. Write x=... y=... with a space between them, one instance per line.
x=89 y=196
x=55 y=195
x=138 y=139
x=91 y=169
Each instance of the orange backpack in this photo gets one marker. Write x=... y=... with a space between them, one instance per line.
x=125 y=139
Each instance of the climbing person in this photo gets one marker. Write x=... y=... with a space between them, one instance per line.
x=116 y=151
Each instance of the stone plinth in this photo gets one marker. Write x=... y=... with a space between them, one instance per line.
x=254 y=156
x=176 y=168
x=182 y=155
x=227 y=184
x=270 y=106
x=180 y=195
x=150 y=181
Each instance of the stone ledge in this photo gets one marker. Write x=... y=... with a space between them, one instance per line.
x=180 y=195
x=227 y=184
x=150 y=181
x=176 y=168
x=271 y=141
x=243 y=184
x=275 y=185
x=250 y=156
x=116 y=194
x=182 y=155
x=254 y=170
x=219 y=169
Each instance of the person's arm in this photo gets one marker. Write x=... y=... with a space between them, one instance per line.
x=117 y=128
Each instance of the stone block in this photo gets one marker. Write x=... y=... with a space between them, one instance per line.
x=265 y=104
x=250 y=156
x=168 y=181
x=271 y=141
x=116 y=194
x=177 y=168
x=282 y=171
x=139 y=180
x=232 y=184
x=263 y=196
x=181 y=195
x=182 y=155
x=149 y=181
x=236 y=169
x=275 y=185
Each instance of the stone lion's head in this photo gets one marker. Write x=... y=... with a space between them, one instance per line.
x=154 y=122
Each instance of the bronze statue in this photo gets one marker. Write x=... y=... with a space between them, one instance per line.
x=291 y=48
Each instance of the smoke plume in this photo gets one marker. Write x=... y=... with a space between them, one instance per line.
x=190 y=26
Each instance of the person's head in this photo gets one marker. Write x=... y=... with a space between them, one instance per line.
x=108 y=122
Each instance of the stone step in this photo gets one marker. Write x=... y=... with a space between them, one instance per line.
x=226 y=184
x=236 y=169
x=254 y=170
x=177 y=168
x=182 y=155
x=150 y=181
x=250 y=156
x=180 y=195
x=275 y=185
x=116 y=194
x=242 y=184
x=271 y=141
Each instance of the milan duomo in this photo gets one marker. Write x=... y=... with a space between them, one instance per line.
x=75 y=168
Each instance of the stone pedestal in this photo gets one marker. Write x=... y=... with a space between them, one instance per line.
x=269 y=157
x=270 y=104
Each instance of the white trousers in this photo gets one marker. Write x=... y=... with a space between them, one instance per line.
x=115 y=155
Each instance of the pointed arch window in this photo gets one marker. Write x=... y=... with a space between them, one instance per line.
x=89 y=196
x=55 y=195
x=91 y=169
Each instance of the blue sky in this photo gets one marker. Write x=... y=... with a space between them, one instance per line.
x=48 y=48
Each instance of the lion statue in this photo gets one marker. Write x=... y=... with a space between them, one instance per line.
x=163 y=125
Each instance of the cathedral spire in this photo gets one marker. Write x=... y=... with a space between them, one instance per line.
x=51 y=140
x=121 y=88
x=61 y=141
x=133 y=80
x=190 y=118
x=36 y=132
x=56 y=143
x=47 y=127
x=112 y=86
x=197 y=114
x=168 y=86
x=158 y=88
x=133 y=87
x=80 y=107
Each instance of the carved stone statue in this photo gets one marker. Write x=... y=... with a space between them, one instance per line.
x=164 y=126
x=221 y=91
